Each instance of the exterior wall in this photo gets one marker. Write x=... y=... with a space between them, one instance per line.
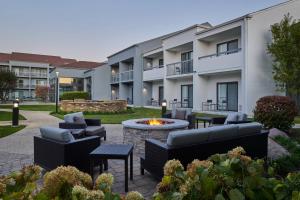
x=100 y=83
x=172 y=88
x=259 y=81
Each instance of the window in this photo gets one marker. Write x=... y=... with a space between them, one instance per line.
x=160 y=63
x=227 y=47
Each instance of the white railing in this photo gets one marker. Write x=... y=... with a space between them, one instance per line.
x=180 y=68
x=22 y=74
x=22 y=86
x=41 y=75
x=115 y=78
x=153 y=67
x=221 y=53
x=127 y=76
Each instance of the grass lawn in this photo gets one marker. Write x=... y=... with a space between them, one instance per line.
x=7 y=116
x=42 y=107
x=8 y=130
x=118 y=118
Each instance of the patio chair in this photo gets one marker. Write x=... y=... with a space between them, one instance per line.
x=231 y=118
x=81 y=127
x=56 y=147
x=183 y=114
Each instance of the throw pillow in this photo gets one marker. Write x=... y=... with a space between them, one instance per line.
x=180 y=114
x=231 y=117
x=79 y=120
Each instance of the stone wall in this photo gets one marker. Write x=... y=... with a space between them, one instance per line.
x=93 y=106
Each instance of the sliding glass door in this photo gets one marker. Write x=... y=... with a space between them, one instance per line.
x=187 y=96
x=227 y=96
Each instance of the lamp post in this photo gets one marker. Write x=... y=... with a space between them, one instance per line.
x=163 y=107
x=56 y=92
x=15 y=114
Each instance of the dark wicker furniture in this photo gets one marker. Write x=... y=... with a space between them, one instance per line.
x=190 y=118
x=204 y=120
x=221 y=120
x=50 y=154
x=95 y=124
x=158 y=153
x=113 y=151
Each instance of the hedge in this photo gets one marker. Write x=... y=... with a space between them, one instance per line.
x=74 y=95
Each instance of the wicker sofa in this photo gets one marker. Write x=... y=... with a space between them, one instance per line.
x=186 y=115
x=188 y=145
x=56 y=147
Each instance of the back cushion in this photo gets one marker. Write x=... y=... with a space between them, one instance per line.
x=57 y=134
x=231 y=117
x=249 y=128
x=242 y=117
x=222 y=132
x=187 y=137
x=180 y=114
x=69 y=118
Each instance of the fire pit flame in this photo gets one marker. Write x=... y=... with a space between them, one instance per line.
x=155 y=122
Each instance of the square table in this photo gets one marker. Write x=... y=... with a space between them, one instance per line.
x=113 y=151
x=204 y=120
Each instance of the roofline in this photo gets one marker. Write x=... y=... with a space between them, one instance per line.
x=122 y=50
x=185 y=29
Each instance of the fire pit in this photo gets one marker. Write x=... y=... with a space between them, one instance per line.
x=136 y=131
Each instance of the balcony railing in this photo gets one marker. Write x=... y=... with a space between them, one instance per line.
x=180 y=68
x=115 y=78
x=40 y=75
x=221 y=53
x=127 y=76
x=26 y=74
x=153 y=67
x=22 y=86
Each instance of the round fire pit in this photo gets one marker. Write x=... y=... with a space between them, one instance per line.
x=136 y=131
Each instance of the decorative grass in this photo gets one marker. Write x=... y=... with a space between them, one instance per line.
x=7 y=116
x=8 y=130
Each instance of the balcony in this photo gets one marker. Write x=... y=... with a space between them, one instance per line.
x=22 y=86
x=153 y=73
x=115 y=78
x=39 y=75
x=127 y=76
x=225 y=61
x=180 y=68
x=22 y=74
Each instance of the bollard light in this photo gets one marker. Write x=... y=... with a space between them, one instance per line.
x=163 y=107
x=15 y=114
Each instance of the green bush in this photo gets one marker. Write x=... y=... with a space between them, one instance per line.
x=275 y=112
x=232 y=176
x=74 y=95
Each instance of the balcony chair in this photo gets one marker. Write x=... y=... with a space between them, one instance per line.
x=81 y=127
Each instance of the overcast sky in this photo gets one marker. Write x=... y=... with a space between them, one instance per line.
x=95 y=29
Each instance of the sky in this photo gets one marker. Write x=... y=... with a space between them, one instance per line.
x=94 y=29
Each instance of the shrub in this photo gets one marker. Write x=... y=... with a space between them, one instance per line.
x=275 y=112
x=74 y=95
x=42 y=92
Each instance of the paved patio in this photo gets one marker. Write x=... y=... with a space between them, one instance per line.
x=17 y=150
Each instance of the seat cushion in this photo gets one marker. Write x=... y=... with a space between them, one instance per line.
x=187 y=137
x=231 y=117
x=222 y=132
x=94 y=130
x=57 y=134
x=180 y=114
x=249 y=128
x=69 y=118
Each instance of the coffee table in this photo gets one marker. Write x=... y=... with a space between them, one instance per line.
x=204 y=120
x=113 y=151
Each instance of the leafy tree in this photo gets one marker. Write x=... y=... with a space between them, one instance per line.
x=285 y=49
x=42 y=92
x=8 y=82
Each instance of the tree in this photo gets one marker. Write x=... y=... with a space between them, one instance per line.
x=8 y=82
x=42 y=92
x=285 y=49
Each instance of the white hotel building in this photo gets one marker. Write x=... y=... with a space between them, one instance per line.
x=226 y=65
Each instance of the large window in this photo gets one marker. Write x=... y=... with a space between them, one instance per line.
x=227 y=96
x=160 y=63
x=187 y=96
x=227 y=47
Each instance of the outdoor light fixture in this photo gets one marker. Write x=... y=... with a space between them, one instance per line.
x=15 y=114
x=163 y=107
x=56 y=91
x=144 y=90
x=113 y=91
x=148 y=64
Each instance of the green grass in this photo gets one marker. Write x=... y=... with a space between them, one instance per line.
x=135 y=114
x=297 y=120
x=8 y=130
x=42 y=107
x=7 y=116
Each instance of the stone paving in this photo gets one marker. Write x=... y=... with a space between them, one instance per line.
x=17 y=150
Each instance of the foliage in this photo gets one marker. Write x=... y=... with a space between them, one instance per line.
x=74 y=95
x=285 y=49
x=231 y=176
x=8 y=82
x=275 y=112
x=66 y=183
x=8 y=130
x=289 y=163
x=42 y=92
x=7 y=116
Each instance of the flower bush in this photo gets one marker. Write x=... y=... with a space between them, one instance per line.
x=275 y=112
x=231 y=176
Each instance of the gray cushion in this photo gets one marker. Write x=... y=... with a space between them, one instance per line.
x=69 y=118
x=231 y=117
x=173 y=112
x=187 y=137
x=249 y=128
x=180 y=114
x=242 y=116
x=57 y=134
x=79 y=120
x=94 y=130
x=224 y=131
